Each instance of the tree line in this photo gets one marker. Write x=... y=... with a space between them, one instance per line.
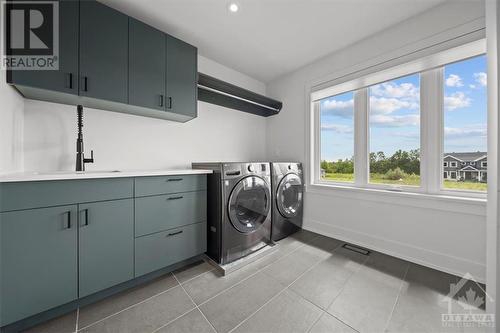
x=406 y=161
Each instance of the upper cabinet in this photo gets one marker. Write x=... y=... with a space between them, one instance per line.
x=103 y=52
x=65 y=79
x=182 y=77
x=146 y=66
x=113 y=62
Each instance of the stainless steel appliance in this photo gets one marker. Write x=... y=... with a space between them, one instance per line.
x=288 y=197
x=238 y=209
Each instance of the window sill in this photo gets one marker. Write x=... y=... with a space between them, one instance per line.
x=443 y=202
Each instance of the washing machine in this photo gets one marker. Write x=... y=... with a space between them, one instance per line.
x=288 y=199
x=239 y=203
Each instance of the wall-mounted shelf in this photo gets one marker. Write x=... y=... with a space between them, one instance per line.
x=215 y=91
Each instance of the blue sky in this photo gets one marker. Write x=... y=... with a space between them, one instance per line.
x=395 y=114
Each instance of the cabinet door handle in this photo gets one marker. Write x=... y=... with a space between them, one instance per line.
x=169 y=103
x=85 y=84
x=174 y=179
x=69 y=80
x=68 y=219
x=175 y=233
x=175 y=198
x=86 y=219
x=161 y=100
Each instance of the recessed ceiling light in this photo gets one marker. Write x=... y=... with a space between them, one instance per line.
x=233 y=7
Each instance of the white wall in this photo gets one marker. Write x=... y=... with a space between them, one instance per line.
x=445 y=236
x=124 y=142
x=11 y=128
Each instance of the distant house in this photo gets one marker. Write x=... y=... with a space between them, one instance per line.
x=466 y=166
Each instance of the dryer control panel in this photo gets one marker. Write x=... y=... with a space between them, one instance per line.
x=236 y=170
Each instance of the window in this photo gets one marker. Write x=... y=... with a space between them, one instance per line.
x=375 y=130
x=484 y=164
x=394 y=123
x=337 y=138
x=465 y=115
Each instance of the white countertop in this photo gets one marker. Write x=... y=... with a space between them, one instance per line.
x=67 y=175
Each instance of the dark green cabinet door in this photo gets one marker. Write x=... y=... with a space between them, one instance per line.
x=146 y=66
x=66 y=78
x=38 y=261
x=182 y=77
x=103 y=52
x=106 y=244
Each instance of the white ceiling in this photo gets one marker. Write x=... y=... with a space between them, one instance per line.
x=268 y=38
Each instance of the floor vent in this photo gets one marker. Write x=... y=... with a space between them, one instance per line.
x=356 y=249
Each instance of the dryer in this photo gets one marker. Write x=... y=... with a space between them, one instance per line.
x=288 y=199
x=239 y=209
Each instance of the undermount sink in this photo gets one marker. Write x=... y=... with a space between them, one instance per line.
x=75 y=172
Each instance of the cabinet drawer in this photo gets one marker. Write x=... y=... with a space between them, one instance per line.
x=25 y=195
x=169 y=184
x=162 y=249
x=163 y=212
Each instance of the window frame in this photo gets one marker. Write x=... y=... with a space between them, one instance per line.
x=431 y=71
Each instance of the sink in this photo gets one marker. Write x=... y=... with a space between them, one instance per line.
x=75 y=172
x=96 y=171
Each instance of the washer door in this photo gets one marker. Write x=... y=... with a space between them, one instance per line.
x=249 y=204
x=289 y=195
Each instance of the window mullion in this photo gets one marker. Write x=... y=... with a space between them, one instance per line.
x=431 y=125
x=361 y=144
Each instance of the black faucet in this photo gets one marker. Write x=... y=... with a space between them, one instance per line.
x=80 y=158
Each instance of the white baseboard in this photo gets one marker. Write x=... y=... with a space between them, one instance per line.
x=421 y=256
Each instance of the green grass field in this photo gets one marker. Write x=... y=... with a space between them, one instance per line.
x=412 y=180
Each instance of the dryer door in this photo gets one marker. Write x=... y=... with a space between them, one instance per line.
x=289 y=195
x=249 y=204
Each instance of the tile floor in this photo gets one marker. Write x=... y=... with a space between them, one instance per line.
x=310 y=284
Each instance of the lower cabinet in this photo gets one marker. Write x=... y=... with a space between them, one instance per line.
x=159 y=250
x=106 y=244
x=75 y=247
x=38 y=250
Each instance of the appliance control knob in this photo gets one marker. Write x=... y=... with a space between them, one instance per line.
x=251 y=168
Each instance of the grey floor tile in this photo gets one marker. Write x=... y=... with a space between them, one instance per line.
x=292 y=266
x=303 y=235
x=193 y=270
x=108 y=306
x=234 y=305
x=63 y=324
x=147 y=316
x=330 y=324
x=368 y=298
x=287 y=313
x=422 y=301
x=323 y=243
x=325 y=281
x=210 y=284
x=191 y=322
